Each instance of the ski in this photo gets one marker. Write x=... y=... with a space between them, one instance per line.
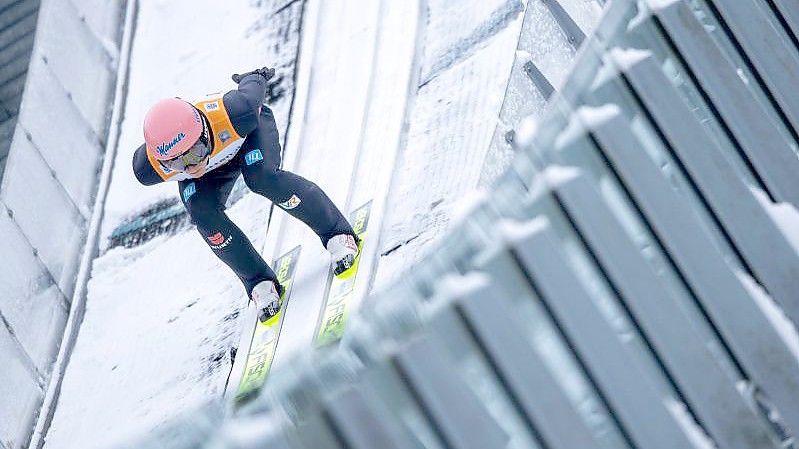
x=265 y=335
x=341 y=290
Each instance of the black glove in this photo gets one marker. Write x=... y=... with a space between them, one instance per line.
x=266 y=72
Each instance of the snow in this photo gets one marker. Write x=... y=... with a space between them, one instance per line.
x=459 y=32
x=514 y=232
x=452 y=286
x=550 y=178
x=197 y=64
x=556 y=175
x=159 y=317
x=545 y=41
x=697 y=436
x=45 y=306
x=525 y=136
x=626 y=58
x=785 y=215
x=250 y=431
x=327 y=152
x=661 y=4
x=573 y=131
x=541 y=46
x=586 y=117
x=450 y=130
x=168 y=311
x=381 y=113
x=77 y=307
x=784 y=326
x=583 y=12
x=593 y=117
x=145 y=353
x=466 y=205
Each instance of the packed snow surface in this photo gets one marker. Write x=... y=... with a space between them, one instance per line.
x=394 y=104
x=160 y=317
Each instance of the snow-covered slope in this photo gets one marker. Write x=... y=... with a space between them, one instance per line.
x=466 y=69
x=396 y=102
x=160 y=318
x=352 y=112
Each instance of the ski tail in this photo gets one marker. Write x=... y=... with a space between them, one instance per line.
x=340 y=293
x=265 y=335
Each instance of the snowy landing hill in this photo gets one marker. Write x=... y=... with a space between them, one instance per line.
x=391 y=101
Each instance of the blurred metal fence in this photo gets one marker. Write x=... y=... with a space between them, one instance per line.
x=631 y=282
x=48 y=189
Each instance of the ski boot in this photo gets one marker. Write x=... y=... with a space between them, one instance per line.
x=344 y=249
x=267 y=300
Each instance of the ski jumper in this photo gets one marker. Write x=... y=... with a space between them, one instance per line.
x=245 y=142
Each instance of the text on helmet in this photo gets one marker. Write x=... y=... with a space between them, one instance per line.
x=164 y=148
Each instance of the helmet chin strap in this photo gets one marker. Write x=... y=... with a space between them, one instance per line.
x=207 y=133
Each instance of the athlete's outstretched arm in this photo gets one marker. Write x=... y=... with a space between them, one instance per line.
x=244 y=104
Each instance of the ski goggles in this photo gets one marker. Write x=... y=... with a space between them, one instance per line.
x=193 y=156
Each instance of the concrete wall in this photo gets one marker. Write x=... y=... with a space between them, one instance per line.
x=47 y=194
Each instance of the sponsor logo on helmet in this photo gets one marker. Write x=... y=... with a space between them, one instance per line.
x=164 y=148
x=212 y=106
x=253 y=157
x=224 y=136
x=291 y=203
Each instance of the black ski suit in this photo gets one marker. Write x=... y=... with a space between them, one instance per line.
x=258 y=160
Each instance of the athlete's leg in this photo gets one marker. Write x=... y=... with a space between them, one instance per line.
x=204 y=199
x=259 y=157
